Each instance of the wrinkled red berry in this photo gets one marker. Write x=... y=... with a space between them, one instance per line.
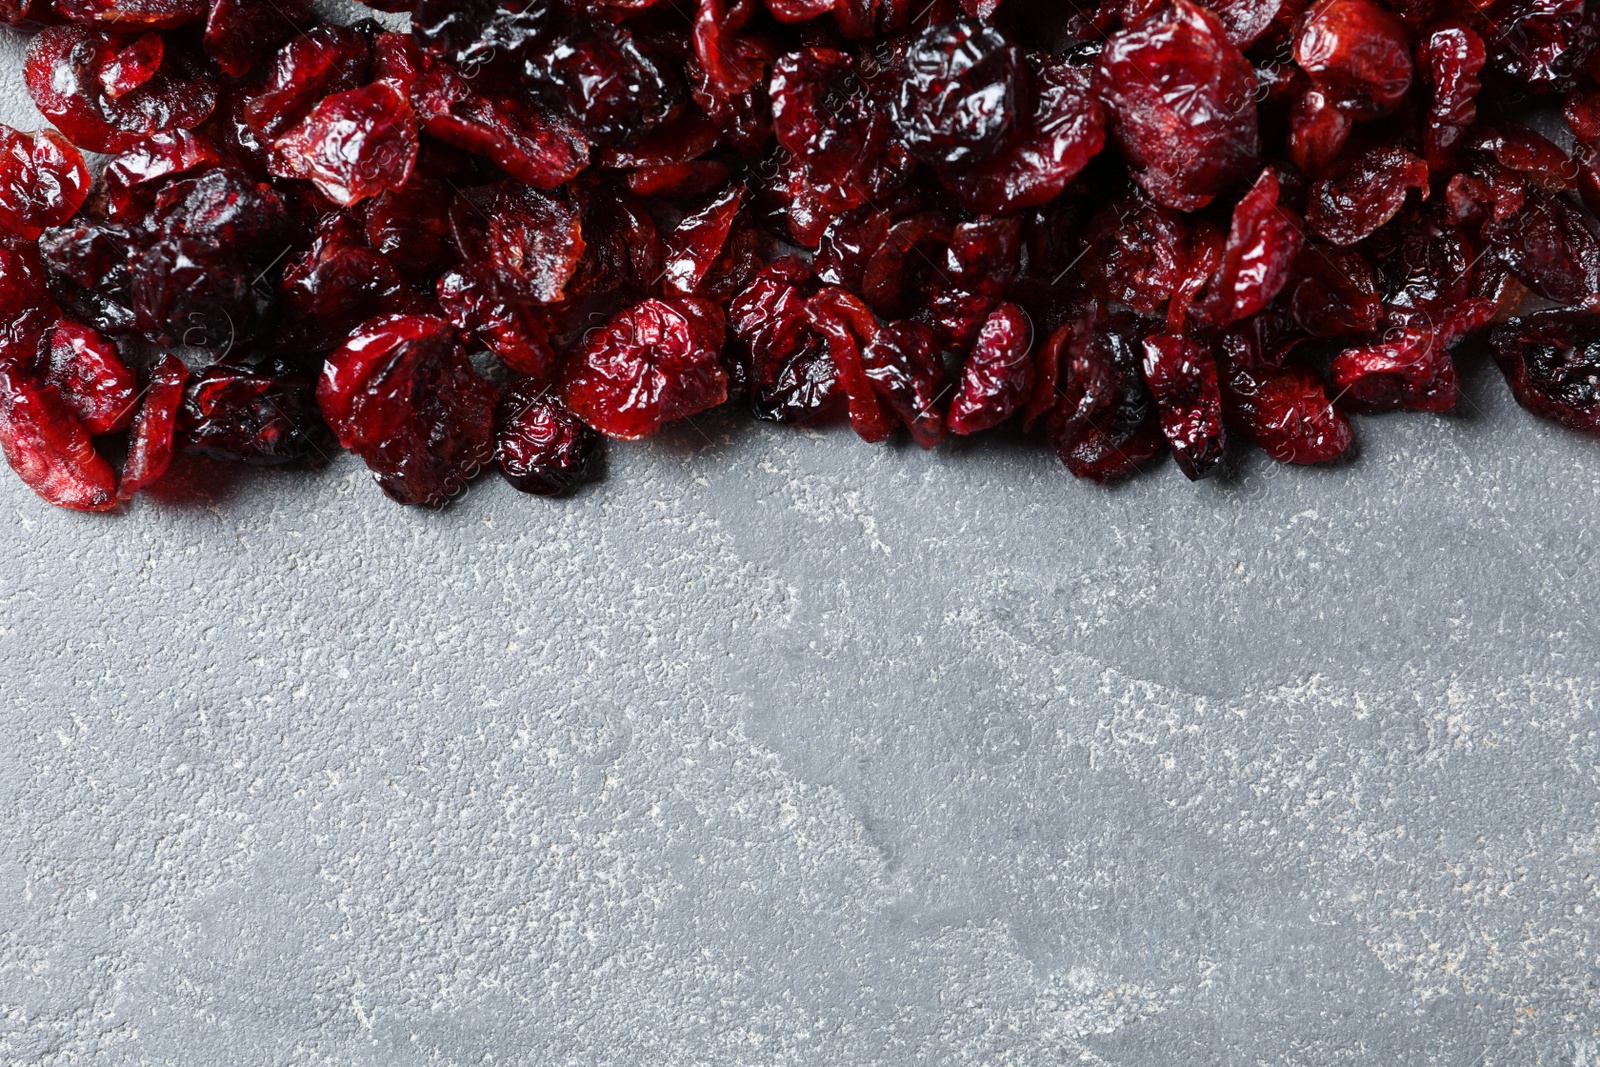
x=997 y=375
x=1263 y=241
x=542 y=447
x=653 y=364
x=150 y=443
x=43 y=181
x=1182 y=378
x=352 y=145
x=88 y=372
x=1551 y=360
x=49 y=448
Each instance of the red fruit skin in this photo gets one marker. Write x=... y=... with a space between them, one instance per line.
x=265 y=416
x=353 y=145
x=1334 y=291
x=1363 y=192
x=1182 y=378
x=542 y=448
x=1317 y=132
x=322 y=61
x=783 y=362
x=26 y=309
x=527 y=143
x=49 y=448
x=1408 y=368
x=150 y=444
x=529 y=243
x=1550 y=247
x=508 y=328
x=132 y=66
x=62 y=74
x=127 y=181
x=1257 y=259
x=1284 y=411
x=86 y=369
x=650 y=365
x=126 y=15
x=240 y=33
x=43 y=181
x=1134 y=253
x=902 y=362
x=1358 y=57
x=1551 y=360
x=1182 y=101
x=699 y=240
x=1449 y=60
x=997 y=375
x=846 y=323
x=1104 y=426
x=402 y=395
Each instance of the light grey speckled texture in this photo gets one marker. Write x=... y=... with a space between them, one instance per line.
x=777 y=748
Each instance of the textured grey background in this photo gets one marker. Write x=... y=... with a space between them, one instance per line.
x=778 y=748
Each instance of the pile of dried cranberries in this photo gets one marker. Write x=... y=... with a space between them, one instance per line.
x=527 y=224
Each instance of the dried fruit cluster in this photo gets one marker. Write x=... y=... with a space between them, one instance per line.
x=1134 y=230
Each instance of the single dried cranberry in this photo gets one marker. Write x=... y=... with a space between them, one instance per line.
x=615 y=84
x=530 y=242
x=1246 y=20
x=653 y=364
x=1134 y=252
x=791 y=375
x=318 y=63
x=699 y=241
x=1317 y=131
x=1449 y=59
x=1408 y=368
x=1357 y=55
x=43 y=181
x=336 y=285
x=902 y=363
x=731 y=60
x=957 y=99
x=1065 y=130
x=507 y=327
x=62 y=73
x=353 y=145
x=983 y=255
x=1284 y=410
x=1550 y=247
x=848 y=245
x=475 y=34
x=1073 y=381
x=525 y=141
x=542 y=447
x=263 y=416
x=26 y=309
x=997 y=375
x=1183 y=107
x=1334 y=292
x=1524 y=152
x=132 y=66
x=1363 y=192
x=402 y=395
x=241 y=33
x=846 y=324
x=1263 y=241
x=49 y=448
x=89 y=373
x=908 y=263
x=408 y=228
x=1104 y=425
x=1551 y=360
x=89 y=273
x=839 y=141
x=150 y=443
x=1182 y=378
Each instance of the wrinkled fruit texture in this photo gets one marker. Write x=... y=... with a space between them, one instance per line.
x=522 y=226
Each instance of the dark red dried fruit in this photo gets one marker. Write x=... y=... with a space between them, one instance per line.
x=653 y=364
x=1284 y=410
x=127 y=184
x=1550 y=247
x=542 y=447
x=1135 y=253
x=1182 y=378
x=1104 y=427
x=49 y=448
x=525 y=141
x=1357 y=55
x=789 y=371
x=902 y=363
x=1183 y=107
x=1551 y=360
x=134 y=14
x=1408 y=368
x=1263 y=241
x=88 y=372
x=402 y=395
x=264 y=416
x=528 y=242
x=846 y=324
x=997 y=375
x=1334 y=292
x=1449 y=59
x=699 y=240
x=150 y=443
x=63 y=76
x=352 y=145
x=957 y=98
x=43 y=181
x=240 y=33
x=1363 y=192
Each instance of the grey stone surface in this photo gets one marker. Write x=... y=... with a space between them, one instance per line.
x=777 y=748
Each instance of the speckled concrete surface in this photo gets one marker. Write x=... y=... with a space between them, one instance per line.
x=778 y=748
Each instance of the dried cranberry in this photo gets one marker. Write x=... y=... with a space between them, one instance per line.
x=1284 y=410
x=1134 y=252
x=1263 y=241
x=997 y=375
x=1449 y=59
x=150 y=443
x=1182 y=378
x=1550 y=247
x=134 y=13
x=525 y=141
x=264 y=416
x=1408 y=368
x=402 y=395
x=1357 y=55
x=902 y=363
x=1551 y=360
x=1183 y=107
x=791 y=375
x=89 y=373
x=63 y=72
x=336 y=285
x=49 y=448
x=240 y=33
x=653 y=364
x=352 y=145
x=699 y=241
x=542 y=447
x=1104 y=428
x=129 y=180
x=408 y=228
x=958 y=94
x=1334 y=292
x=846 y=324
x=529 y=241
x=43 y=181
x=1363 y=192
x=26 y=309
